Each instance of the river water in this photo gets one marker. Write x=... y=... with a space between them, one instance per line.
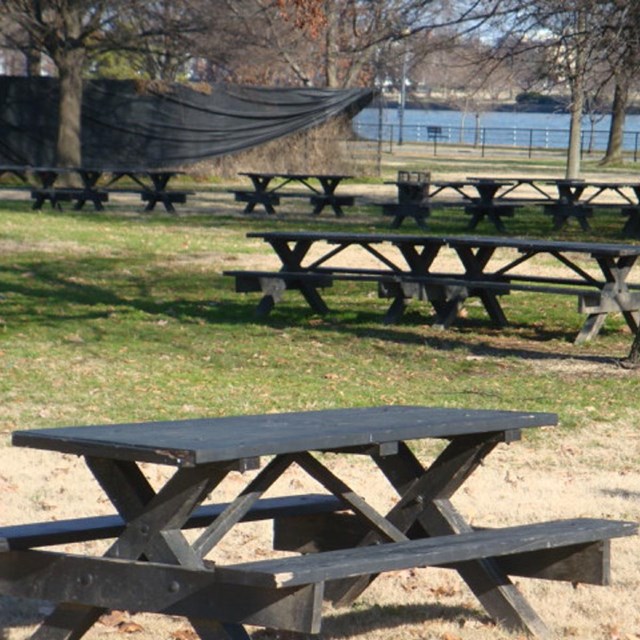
x=550 y=130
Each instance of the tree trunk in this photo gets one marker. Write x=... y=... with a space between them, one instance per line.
x=576 y=82
x=618 y=115
x=575 y=133
x=69 y=145
x=33 y=60
x=331 y=70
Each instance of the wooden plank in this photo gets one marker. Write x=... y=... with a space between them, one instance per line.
x=437 y=551
x=609 y=302
x=199 y=441
x=588 y=563
x=27 y=536
x=106 y=583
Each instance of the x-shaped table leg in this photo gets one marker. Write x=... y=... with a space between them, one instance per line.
x=425 y=509
x=153 y=532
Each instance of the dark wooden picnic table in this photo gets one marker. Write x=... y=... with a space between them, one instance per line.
x=628 y=200
x=268 y=196
x=151 y=566
x=508 y=192
x=404 y=267
x=49 y=189
x=567 y=204
x=482 y=202
x=153 y=183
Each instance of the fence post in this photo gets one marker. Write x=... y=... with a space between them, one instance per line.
x=530 y=143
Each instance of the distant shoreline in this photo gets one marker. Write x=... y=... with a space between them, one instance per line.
x=556 y=105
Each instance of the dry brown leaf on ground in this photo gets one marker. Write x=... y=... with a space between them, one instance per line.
x=184 y=634
x=114 y=618
x=130 y=627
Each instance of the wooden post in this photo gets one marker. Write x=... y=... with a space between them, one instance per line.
x=632 y=361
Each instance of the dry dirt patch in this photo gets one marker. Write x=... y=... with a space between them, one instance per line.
x=593 y=473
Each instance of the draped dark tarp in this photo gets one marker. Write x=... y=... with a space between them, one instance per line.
x=128 y=124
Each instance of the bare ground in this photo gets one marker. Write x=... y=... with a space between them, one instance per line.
x=593 y=474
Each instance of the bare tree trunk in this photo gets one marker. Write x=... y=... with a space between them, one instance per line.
x=34 y=60
x=331 y=71
x=69 y=145
x=618 y=115
x=575 y=133
x=577 y=83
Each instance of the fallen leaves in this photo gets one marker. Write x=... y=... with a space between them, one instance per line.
x=120 y=622
x=184 y=634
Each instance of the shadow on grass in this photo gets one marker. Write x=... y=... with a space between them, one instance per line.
x=54 y=292
x=375 y=618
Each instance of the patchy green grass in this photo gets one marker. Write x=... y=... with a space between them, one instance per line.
x=122 y=316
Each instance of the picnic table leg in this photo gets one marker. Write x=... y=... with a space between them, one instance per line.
x=396 y=310
x=614 y=296
x=591 y=327
x=497 y=221
x=631 y=227
x=328 y=189
x=314 y=299
x=164 y=513
x=448 y=310
x=425 y=501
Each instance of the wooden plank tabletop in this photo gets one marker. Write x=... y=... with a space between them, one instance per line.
x=294 y=176
x=340 y=236
x=529 y=244
x=194 y=442
x=523 y=244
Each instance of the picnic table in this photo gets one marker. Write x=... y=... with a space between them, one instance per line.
x=405 y=267
x=482 y=201
x=46 y=189
x=567 y=204
x=516 y=183
x=151 y=566
x=268 y=196
x=628 y=194
x=152 y=183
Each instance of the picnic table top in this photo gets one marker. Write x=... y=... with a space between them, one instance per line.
x=523 y=244
x=295 y=176
x=188 y=443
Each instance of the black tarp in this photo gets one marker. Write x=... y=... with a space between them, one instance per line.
x=127 y=123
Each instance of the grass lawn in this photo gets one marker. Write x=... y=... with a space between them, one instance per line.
x=123 y=315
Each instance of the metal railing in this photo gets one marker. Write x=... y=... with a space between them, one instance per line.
x=532 y=141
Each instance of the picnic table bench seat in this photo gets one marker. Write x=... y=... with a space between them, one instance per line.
x=171 y=195
x=494 y=212
x=538 y=539
x=404 y=286
x=273 y=284
x=44 y=534
x=320 y=200
x=57 y=195
x=271 y=199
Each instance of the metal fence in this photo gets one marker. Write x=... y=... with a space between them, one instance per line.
x=532 y=141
